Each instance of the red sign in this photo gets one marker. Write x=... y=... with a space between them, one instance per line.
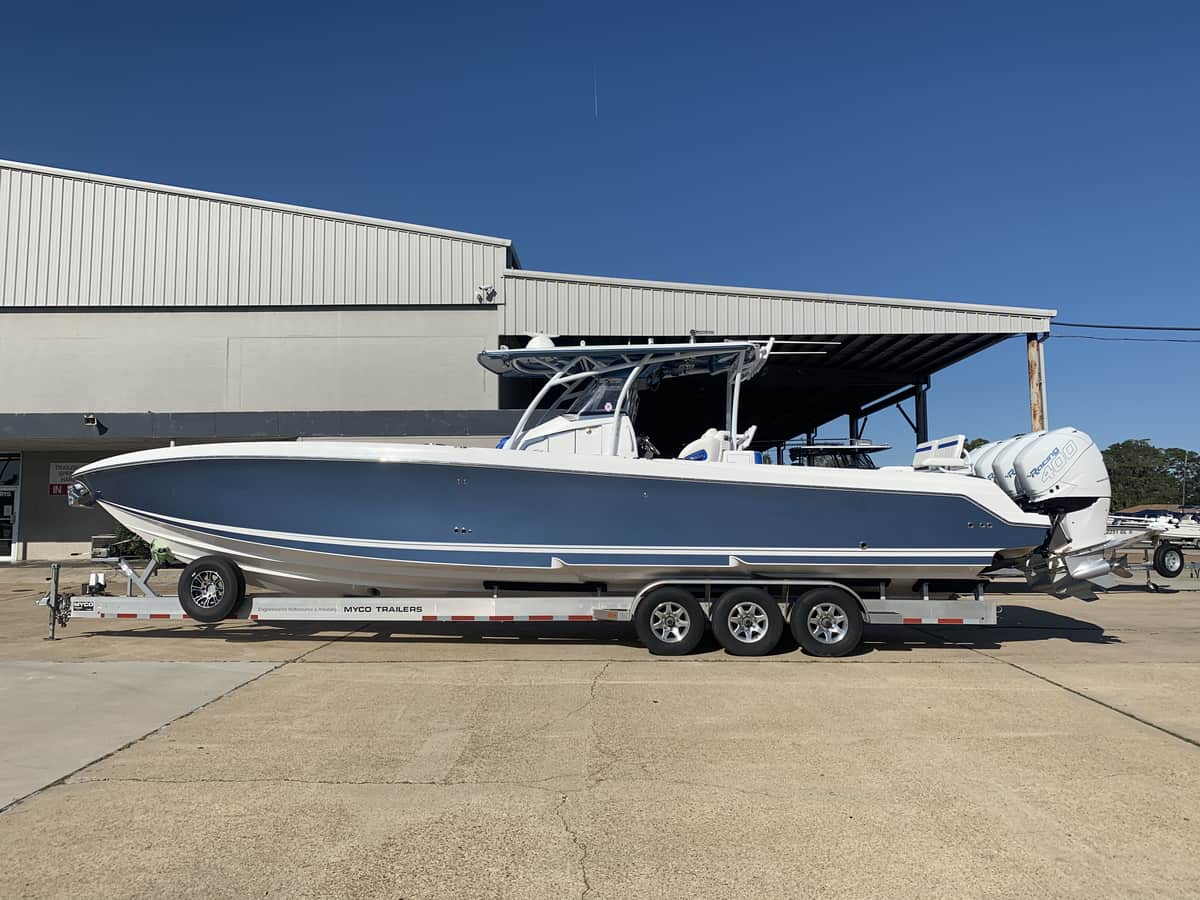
x=60 y=477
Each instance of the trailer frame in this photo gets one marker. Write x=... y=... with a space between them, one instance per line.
x=936 y=604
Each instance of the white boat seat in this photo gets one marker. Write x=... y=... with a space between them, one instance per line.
x=709 y=447
x=945 y=453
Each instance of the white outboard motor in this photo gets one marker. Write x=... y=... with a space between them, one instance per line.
x=1061 y=473
x=981 y=459
x=1003 y=468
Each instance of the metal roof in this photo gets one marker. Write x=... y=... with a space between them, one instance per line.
x=73 y=239
x=556 y=303
x=878 y=347
x=799 y=392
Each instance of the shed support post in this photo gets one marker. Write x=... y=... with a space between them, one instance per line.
x=855 y=428
x=922 y=412
x=1036 y=354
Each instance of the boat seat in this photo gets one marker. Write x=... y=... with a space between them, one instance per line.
x=942 y=454
x=709 y=447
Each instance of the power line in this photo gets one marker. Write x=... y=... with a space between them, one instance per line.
x=1058 y=324
x=1096 y=337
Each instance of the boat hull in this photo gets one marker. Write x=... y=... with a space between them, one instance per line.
x=311 y=517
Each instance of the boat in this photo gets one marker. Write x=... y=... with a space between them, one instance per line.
x=576 y=498
x=1166 y=534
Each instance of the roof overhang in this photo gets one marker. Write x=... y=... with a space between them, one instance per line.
x=883 y=349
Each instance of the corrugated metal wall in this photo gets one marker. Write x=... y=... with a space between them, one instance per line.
x=68 y=240
x=578 y=305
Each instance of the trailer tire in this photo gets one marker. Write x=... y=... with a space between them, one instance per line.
x=1168 y=560
x=669 y=622
x=827 y=622
x=747 y=622
x=210 y=589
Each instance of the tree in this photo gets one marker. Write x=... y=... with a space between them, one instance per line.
x=1142 y=473
x=974 y=443
x=1184 y=468
x=129 y=544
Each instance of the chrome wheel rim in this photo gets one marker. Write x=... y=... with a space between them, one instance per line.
x=207 y=588
x=827 y=622
x=670 y=622
x=748 y=622
x=1173 y=559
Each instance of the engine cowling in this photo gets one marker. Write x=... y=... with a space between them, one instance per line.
x=981 y=459
x=1004 y=462
x=1060 y=471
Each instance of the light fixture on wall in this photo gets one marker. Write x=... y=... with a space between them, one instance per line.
x=485 y=293
x=91 y=420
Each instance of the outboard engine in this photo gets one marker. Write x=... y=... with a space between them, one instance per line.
x=981 y=459
x=1004 y=462
x=1061 y=474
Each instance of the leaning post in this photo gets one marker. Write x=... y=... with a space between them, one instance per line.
x=52 y=601
x=1036 y=356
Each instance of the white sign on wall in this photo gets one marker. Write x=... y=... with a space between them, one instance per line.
x=60 y=477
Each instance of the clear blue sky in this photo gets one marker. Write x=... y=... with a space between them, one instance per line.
x=1023 y=154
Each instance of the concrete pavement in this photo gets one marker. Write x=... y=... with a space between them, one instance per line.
x=1055 y=755
x=61 y=716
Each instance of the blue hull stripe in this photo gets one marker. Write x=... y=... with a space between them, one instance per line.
x=327 y=506
x=541 y=559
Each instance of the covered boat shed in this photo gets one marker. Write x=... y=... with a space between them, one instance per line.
x=133 y=314
x=835 y=355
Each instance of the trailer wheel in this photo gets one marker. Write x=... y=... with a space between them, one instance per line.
x=827 y=622
x=1168 y=560
x=669 y=622
x=747 y=622
x=210 y=589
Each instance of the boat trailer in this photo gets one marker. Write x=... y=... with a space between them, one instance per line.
x=763 y=603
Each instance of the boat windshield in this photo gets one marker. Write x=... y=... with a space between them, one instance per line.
x=834 y=459
x=603 y=398
x=832 y=453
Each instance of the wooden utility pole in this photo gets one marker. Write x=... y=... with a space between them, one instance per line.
x=1034 y=348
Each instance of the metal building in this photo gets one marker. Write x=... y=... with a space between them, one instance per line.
x=133 y=314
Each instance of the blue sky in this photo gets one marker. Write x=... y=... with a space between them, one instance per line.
x=1021 y=154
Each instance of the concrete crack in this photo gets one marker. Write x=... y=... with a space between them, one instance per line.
x=607 y=761
x=580 y=846
x=533 y=784
x=499 y=742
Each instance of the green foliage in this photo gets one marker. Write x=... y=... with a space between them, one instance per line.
x=1142 y=473
x=973 y=443
x=129 y=544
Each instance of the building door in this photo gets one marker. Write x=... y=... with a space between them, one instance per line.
x=10 y=504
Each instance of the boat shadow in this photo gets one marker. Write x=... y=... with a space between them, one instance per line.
x=1015 y=624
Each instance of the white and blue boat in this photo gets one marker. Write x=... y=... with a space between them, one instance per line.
x=575 y=497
